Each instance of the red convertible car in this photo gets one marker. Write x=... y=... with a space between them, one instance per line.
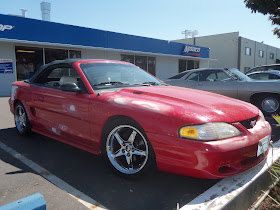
x=138 y=123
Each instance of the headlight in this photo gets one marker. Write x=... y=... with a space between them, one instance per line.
x=209 y=131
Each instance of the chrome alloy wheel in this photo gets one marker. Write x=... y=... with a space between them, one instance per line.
x=270 y=105
x=20 y=118
x=127 y=149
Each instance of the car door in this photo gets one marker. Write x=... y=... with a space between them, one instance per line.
x=61 y=113
x=191 y=80
x=217 y=81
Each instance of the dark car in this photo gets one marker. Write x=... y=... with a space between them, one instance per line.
x=264 y=68
x=265 y=75
x=265 y=94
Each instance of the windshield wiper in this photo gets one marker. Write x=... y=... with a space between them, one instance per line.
x=148 y=83
x=112 y=83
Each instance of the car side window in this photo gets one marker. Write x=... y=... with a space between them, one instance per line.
x=273 y=76
x=55 y=77
x=264 y=76
x=193 y=77
x=213 y=75
x=258 y=76
x=222 y=76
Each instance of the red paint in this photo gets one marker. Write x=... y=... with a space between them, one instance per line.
x=78 y=119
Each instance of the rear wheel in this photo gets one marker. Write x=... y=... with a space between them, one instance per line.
x=269 y=104
x=21 y=119
x=127 y=148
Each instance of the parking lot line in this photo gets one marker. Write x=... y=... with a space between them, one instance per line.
x=78 y=195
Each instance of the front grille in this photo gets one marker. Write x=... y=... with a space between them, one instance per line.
x=249 y=123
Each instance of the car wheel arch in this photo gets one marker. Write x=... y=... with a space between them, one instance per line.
x=27 y=127
x=121 y=120
x=268 y=103
x=16 y=101
x=110 y=120
x=254 y=97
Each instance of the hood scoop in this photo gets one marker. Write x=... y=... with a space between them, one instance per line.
x=137 y=92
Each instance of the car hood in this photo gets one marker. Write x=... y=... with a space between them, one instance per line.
x=194 y=105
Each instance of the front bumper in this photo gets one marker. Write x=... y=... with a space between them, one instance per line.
x=211 y=159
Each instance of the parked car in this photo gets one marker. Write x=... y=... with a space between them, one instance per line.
x=264 y=68
x=265 y=75
x=232 y=83
x=137 y=123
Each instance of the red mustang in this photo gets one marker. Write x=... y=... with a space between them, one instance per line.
x=138 y=123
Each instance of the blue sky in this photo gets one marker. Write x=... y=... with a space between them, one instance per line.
x=164 y=19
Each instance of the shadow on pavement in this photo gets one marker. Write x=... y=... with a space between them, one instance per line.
x=89 y=174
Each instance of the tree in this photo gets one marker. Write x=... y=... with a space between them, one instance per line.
x=267 y=7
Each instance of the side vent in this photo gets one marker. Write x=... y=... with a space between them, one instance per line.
x=32 y=110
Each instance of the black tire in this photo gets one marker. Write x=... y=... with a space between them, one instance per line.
x=126 y=148
x=269 y=104
x=22 y=123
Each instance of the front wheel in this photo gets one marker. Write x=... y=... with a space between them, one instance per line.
x=269 y=104
x=21 y=119
x=127 y=148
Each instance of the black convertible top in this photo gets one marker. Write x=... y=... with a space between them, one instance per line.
x=68 y=62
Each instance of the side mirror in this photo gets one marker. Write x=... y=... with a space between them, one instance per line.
x=70 y=87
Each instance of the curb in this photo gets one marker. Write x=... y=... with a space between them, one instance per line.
x=239 y=191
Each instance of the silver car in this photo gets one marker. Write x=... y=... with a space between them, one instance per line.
x=265 y=94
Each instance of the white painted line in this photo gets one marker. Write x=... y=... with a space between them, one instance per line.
x=81 y=197
x=228 y=188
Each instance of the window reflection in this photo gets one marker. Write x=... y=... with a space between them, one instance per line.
x=144 y=62
x=29 y=59
x=55 y=54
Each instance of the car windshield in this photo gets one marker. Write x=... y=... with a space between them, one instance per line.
x=112 y=75
x=237 y=75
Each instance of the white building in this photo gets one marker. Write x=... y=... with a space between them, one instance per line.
x=233 y=51
x=26 y=44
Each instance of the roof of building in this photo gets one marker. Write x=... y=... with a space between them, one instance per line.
x=26 y=30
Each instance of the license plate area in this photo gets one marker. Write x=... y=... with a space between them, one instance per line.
x=263 y=145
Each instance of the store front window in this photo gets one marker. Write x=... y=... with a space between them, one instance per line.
x=141 y=61
x=144 y=62
x=29 y=59
x=55 y=54
x=187 y=65
x=74 y=54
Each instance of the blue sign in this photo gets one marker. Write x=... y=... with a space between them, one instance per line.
x=26 y=29
x=6 y=66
